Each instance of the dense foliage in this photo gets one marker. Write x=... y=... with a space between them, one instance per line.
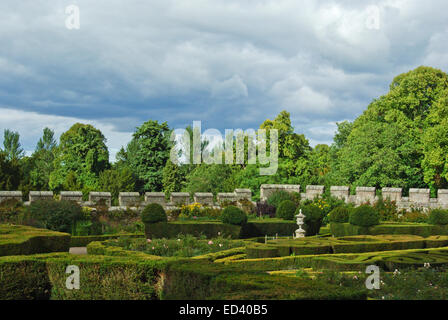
x=54 y=215
x=154 y=213
x=286 y=210
x=438 y=217
x=339 y=214
x=233 y=215
x=364 y=216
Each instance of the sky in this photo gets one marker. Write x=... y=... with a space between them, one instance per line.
x=229 y=64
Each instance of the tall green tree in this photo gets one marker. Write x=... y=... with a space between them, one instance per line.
x=388 y=144
x=147 y=154
x=41 y=162
x=12 y=147
x=80 y=157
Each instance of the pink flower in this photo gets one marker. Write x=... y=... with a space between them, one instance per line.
x=149 y=240
x=210 y=242
x=195 y=217
x=153 y=248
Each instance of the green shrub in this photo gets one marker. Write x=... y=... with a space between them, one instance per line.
x=53 y=215
x=364 y=216
x=286 y=210
x=438 y=217
x=313 y=218
x=154 y=213
x=339 y=214
x=278 y=197
x=233 y=215
x=11 y=211
x=387 y=209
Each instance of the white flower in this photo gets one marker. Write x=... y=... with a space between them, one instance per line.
x=427 y=265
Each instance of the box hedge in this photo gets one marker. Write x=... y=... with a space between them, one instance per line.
x=24 y=240
x=211 y=229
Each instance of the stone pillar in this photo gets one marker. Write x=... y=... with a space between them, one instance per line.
x=340 y=192
x=75 y=196
x=243 y=194
x=40 y=195
x=179 y=198
x=226 y=197
x=96 y=197
x=6 y=195
x=267 y=189
x=419 y=197
x=393 y=194
x=204 y=198
x=155 y=197
x=442 y=198
x=313 y=192
x=365 y=194
x=129 y=199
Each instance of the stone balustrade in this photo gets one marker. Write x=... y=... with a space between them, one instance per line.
x=418 y=198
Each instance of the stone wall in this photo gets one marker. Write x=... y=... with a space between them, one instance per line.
x=267 y=189
x=418 y=198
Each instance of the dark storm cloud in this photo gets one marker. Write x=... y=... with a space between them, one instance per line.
x=228 y=63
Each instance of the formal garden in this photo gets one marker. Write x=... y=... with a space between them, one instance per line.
x=239 y=250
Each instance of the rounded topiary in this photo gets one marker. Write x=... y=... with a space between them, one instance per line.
x=339 y=215
x=153 y=213
x=286 y=210
x=233 y=215
x=313 y=218
x=438 y=217
x=364 y=216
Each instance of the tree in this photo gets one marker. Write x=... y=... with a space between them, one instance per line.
x=40 y=166
x=147 y=154
x=9 y=173
x=211 y=178
x=173 y=177
x=11 y=143
x=80 y=157
x=117 y=180
x=394 y=142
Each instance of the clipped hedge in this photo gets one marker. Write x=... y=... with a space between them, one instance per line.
x=419 y=229
x=353 y=244
x=24 y=240
x=211 y=229
x=119 y=278
x=83 y=241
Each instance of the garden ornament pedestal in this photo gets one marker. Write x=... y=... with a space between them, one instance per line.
x=300 y=233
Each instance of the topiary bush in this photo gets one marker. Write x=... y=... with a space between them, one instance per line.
x=339 y=215
x=233 y=215
x=313 y=218
x=53 y=215
x=286 y=210
x=364 y=216
x=438 y=217
x=154 y=213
